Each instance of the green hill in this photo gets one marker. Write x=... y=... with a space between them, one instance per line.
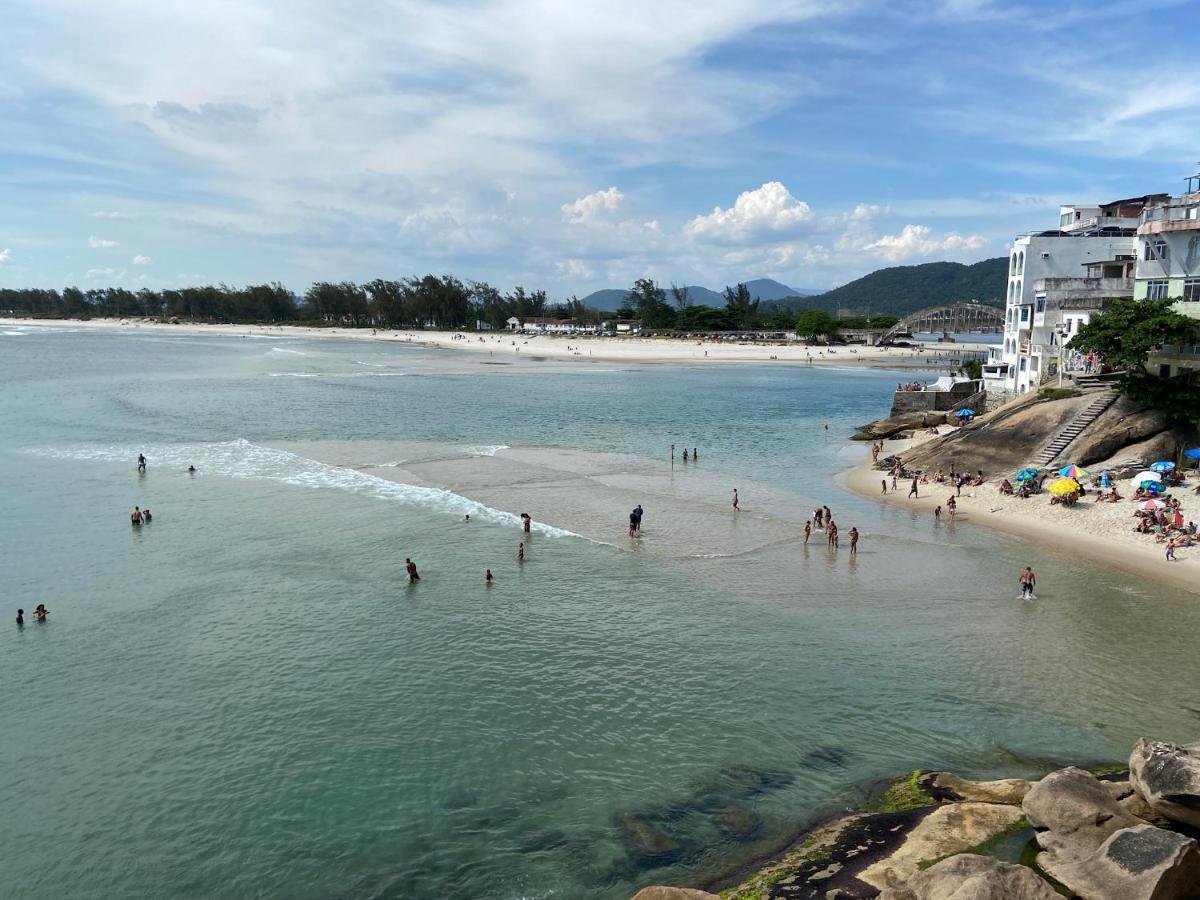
x=901 y=290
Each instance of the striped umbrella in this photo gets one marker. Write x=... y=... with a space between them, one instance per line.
x=1073 y=471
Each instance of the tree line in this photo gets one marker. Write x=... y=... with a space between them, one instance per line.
x=418 y=302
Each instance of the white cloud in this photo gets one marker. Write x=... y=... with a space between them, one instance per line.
x=109 y=215
x=770 y=209
x=576 y=268
x=915 y=241
x=4 y=255
x=586 y=209
x=100 y=243
x=141 y=260
x=93 y=274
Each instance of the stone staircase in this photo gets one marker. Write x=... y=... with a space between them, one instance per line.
x=1103 y=400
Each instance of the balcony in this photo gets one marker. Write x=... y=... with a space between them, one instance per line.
x=1181 y=216
x=1082 y=293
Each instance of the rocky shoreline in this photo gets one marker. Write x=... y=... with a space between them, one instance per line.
x=1132 y=834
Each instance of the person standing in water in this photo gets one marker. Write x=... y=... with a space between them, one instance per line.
x=488 y=579
x=735 y=499
x=638 y=512
x=135 y=517
x=526 y=522
x=853 y=541
x=411 y=568
x=521 y=552
x=20 y=618
x=807 y=532
x=146 y=517
x=40 y=613
x=685 y=456
x=1028 y=580
x=695 y=455
x=141 y=462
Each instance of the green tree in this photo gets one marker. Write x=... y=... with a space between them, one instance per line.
x=815 y=323
x=650 y=301
x=741 y=310
x=1125 y=334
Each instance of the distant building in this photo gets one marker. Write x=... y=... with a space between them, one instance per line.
x=1056 y=281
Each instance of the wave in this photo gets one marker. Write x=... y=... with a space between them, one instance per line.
x=335 y=374
x=243 y=459
x=15 y=333
x=284 y=350
x=487 y=449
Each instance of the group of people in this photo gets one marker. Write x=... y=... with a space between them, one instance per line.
x=695 y=457
x=39 y=615
x=822 y=520
x=635 y=520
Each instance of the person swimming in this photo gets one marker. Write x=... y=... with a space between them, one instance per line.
x=466 y=518
x=191 y=470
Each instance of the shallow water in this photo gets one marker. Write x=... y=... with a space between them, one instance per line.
x=245 y=697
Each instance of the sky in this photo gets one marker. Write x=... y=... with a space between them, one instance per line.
x=570 y=146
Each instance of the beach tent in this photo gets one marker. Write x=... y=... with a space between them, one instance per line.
x=1073 y=471
x=1105 y=479
x=1163 y=466
x=1063 y=486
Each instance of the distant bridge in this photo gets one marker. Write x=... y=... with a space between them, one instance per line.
x=955 y=317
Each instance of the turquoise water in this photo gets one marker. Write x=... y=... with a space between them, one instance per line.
x=244 y=697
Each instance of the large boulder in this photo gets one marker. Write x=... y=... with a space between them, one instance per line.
x=1167 y=777
x=893 y=425
x=971 y=877
x=1073 y=814
x=948 y=786
x=657 y=892
x=1138 y=863
x=950 y=828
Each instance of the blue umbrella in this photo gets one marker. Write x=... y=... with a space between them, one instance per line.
x=1151 y=487
x=964 y=413
x=1162 y=466
x=1105 y=479
x=1026 y=474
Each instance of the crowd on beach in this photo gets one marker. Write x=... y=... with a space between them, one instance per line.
x=1158 y=512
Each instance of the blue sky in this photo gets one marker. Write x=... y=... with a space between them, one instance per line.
x=570 y=146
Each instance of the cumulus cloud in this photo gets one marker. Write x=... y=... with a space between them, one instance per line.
x=100 y=243
x=576 y=268
x=770 y=209
x=586 y=209
x=4 y=255
x=141 y=260
x=915 y=241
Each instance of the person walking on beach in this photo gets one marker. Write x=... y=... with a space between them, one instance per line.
x=1028 y=580
x=735 y=500
x=912 y=491
x=141 y=462
x=883 y=485
x=411 y=568
x=937 y=513
x=521 y=552
x=1171 y=550
x=893 y=479
x=853 y=541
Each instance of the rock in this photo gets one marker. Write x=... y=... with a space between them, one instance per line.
x=647 y=841
x=893 y=425
x=949 y=829
x=739 y=822
x=1073 y=814
x=658 y=892
x=971 y=877
x=945 y=785
x=1138 y=863
x=1168 y=778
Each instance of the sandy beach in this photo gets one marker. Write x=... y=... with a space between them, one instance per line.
x=1102 y=532
x=644 y=350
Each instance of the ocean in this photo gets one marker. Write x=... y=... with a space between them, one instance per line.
x=245 y=697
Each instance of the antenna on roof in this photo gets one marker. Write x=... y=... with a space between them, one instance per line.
x=1194 y=178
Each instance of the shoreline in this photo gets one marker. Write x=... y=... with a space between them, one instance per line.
x=582 y=348
x=1054 y=529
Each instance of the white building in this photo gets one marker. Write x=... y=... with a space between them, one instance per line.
x=1168 y=266
x=1092 y=244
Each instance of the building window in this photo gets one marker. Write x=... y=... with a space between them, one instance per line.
x=1041 y=304
x=1064 y=220
x=1157 y=289
x=1012 y=266
x=1024 y=313
x=1158 y=249
x=1191 y=290
x=1021 y=364
x=1021 y=263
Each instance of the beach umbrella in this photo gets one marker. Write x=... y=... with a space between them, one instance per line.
x=1073 y=471
x=1152 y=505
x=1147 y=476
x=1162 y=466
x=1063 y=486
x=965 y=413
x=1192 y=453
x=1026 y=474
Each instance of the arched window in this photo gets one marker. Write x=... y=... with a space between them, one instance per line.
x=1012 y=266
x=1021 y=263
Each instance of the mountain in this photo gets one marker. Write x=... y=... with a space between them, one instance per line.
x=901 y=290
x=763 y=288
